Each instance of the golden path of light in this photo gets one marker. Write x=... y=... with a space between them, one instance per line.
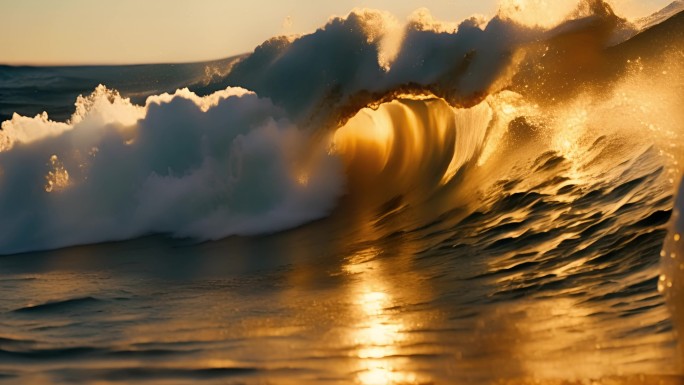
x=379 y=331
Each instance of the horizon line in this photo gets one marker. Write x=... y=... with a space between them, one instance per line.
x=115 y=64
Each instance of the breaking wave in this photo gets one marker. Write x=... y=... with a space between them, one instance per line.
x=228 y=163
x=365 y=113
x=543 y=143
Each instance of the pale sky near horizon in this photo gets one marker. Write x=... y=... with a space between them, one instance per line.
x=158 y=31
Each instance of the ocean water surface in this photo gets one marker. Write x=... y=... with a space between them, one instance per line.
x=494 y=202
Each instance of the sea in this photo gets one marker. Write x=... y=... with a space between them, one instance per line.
x=491 y=202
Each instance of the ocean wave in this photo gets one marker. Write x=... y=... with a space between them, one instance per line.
x=374 y=117
x=227 y=163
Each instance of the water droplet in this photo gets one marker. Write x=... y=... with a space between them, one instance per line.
x=58 y=177
x=677 y=237
x=673 y=255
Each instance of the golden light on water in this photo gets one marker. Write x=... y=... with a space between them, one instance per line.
x=303 y=179
x=502 y=230
x=380 y=375
x=379 y=332
x=570 y=131
x=377 y=338
x=373 y=302
x=367 y=134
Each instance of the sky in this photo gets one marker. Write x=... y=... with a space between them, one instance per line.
x=48 y=32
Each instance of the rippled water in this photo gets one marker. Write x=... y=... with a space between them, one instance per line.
x=550 y=278
x=429 y=222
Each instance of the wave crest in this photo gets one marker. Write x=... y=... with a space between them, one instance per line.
x=243 y=162
x=206 y=167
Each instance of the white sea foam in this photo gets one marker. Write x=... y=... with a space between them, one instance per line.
x=228 y=163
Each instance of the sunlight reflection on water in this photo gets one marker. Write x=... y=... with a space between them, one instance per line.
x=379 y=332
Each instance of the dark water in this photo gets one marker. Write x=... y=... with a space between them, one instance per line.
x=29 y=91
x=516 y=241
